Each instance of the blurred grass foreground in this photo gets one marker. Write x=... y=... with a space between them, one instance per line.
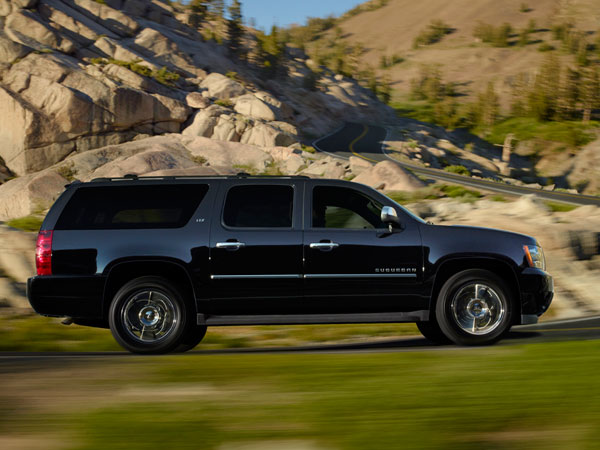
x=504 y=397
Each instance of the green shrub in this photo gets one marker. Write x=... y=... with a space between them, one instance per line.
x=497 y=36
x=165 y=77
x=525 y=8
x=67 y=171
x=461 y=170
x=545 y=47
x=27 y=223
x=200 y=160
x=459 y=192
x=434 y=32
x=224 y=102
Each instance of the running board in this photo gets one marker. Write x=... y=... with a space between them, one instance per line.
x=292 y=319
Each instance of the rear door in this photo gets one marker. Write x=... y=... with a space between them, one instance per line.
x=256 y=247
x=352 y=262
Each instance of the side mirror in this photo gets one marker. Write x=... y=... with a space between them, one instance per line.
x=389 y=216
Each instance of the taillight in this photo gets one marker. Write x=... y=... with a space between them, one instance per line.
x=43 y=253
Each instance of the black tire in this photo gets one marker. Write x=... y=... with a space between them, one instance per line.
x=476 y=297
x=149 y=306
x=192 y=339
x=432 y=331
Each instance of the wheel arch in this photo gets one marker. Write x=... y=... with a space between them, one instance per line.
x=452 y=266
x=121 y=272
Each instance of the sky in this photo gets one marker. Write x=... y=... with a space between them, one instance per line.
x=285 y=12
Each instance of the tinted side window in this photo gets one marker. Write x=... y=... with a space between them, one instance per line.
x=338 y=207
x=126 y=207
x=259 y=206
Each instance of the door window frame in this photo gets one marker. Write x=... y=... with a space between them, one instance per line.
x=296 y=204
x=309 y=195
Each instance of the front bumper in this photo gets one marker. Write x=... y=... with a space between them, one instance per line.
x=72 y=296
x=537 y=291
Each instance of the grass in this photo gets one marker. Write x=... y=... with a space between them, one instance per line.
x=37 y=333
x=27 y=223
x=560 y=207
x=434 y=192
x=571 y=133
x=460 y=192
x=418 y=110
x=162 y=75
x=224 y=103
x=534 y=396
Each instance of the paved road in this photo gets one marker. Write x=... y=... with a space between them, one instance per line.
x=366 y=142
x=552 y=331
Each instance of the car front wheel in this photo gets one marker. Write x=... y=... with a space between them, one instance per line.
x=474 y=308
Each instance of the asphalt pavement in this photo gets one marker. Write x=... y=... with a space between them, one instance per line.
x=367 y=142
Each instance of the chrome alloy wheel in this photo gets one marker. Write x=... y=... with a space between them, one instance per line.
x=149 y=316
x=477 y=309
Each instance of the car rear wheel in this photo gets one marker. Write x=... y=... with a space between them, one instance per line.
x=149 y=315
x=474 y=308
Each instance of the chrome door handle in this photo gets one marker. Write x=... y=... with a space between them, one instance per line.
x=230 y=245
x=324 y=246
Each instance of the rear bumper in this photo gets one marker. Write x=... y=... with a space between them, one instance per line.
x=72 y=296
x=537 y=291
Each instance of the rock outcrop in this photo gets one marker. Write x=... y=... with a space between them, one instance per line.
x=389 y=176
x=82 y=74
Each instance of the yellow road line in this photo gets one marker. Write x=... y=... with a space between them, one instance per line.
x=351 y=146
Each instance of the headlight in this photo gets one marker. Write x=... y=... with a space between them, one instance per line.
x=535 y=256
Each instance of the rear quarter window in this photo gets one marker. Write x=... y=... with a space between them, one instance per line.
x=131 y=207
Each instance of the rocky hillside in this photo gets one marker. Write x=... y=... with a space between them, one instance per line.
x=82 y=74
x=390 y=31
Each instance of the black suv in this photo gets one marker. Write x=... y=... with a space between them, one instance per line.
x=159 y=259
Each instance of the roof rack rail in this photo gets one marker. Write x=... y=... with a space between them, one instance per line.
x=131 y=177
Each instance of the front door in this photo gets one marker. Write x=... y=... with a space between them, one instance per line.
x=352 y=262
x=256 y=248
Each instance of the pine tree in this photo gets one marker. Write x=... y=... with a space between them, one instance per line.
x=354 y=55
x=489 y=106
x=502 y=35
x=569 y=94
x=271 y=51
x=582 y=53
x=524 y=37
x=519 y=84
x=198 y=10
x=385 y=89
x=217 y=8
x=235 y=28
x=543 y=97
x=590 y=91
